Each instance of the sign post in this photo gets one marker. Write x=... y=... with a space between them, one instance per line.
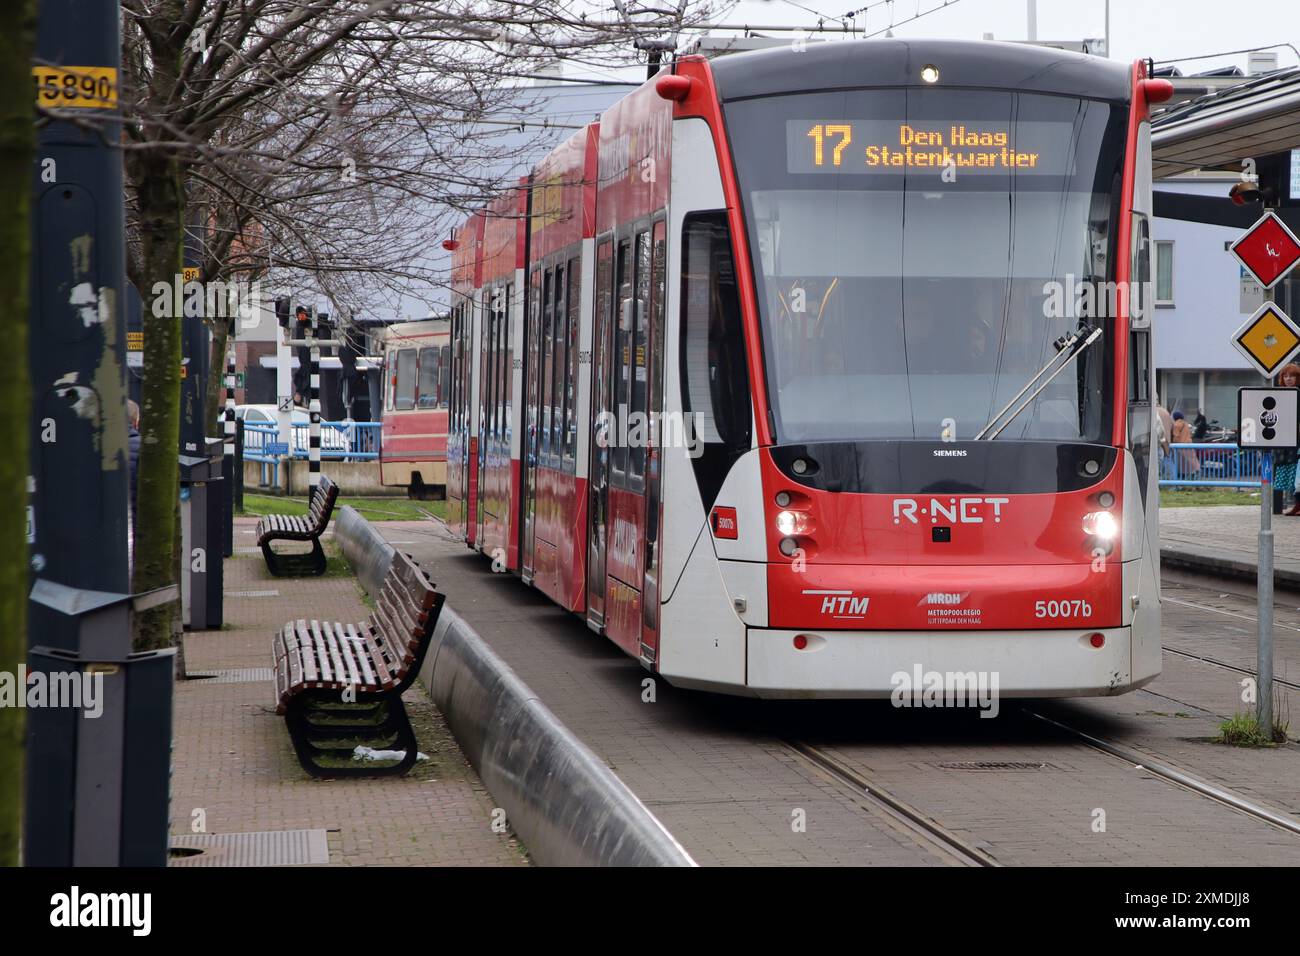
x=1267 y=417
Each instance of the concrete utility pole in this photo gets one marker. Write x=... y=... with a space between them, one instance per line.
x=1108 y=29
x=77 y=353
x=96 y=789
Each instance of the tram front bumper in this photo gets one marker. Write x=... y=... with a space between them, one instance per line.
x=882 y=664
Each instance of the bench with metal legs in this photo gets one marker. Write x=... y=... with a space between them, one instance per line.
x=339 y=684
x=293 y=528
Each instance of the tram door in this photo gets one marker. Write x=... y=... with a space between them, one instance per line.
x=654 y=337
x=460 y=409
x=598 y=483
x=487 y=329
x=532 y=430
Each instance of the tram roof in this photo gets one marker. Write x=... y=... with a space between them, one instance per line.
x=897 y=62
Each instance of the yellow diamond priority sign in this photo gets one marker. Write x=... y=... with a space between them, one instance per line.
x=1269 y=339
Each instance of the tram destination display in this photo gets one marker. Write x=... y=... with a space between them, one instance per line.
x=900 y=146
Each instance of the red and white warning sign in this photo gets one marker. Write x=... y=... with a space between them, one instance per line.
x=1268 y=250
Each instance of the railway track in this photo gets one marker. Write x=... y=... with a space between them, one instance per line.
x=1279 y=819
x=924 y=827
x=935 y=834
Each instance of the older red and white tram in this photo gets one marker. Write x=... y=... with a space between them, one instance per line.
x=796 y=371
x=413 y=439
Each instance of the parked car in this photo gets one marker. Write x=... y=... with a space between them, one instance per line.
x=331 y=439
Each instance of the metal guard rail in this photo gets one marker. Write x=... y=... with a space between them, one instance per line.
x=1210 y=465
x=354 y=441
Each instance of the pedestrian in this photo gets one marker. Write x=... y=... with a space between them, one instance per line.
x=1189 y=464
x=1284 y=459
x=1164 y=429
x=1200 y=427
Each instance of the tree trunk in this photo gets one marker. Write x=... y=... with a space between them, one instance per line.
x=17 y=147
x=161 y=196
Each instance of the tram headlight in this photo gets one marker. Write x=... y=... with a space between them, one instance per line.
x=1101 y=524
x=791 y=522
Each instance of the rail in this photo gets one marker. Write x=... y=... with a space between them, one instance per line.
x=1209 y=465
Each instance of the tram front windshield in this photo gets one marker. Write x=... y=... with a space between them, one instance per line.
x=918 y=253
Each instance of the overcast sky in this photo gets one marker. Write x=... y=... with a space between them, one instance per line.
x=1162 y=29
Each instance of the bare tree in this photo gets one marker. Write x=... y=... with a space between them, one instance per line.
x=319 y=135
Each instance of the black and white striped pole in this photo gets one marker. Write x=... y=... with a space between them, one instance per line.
x=313 y=409
x=230 y=398
x=228 y=462
x=313 y=343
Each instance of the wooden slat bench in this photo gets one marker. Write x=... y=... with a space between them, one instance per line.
x=293 y=528
x=344 y=682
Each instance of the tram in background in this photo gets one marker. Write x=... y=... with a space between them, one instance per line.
x=761 y=375
x=413 y=436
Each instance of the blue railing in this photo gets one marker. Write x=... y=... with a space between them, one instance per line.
x=1212 y=465
x=339 y=441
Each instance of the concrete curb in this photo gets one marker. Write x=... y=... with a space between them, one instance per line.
x=1226 y=567
x=368 y=553
x=566 y=805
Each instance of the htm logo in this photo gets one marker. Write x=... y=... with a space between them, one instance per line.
x=841 y=604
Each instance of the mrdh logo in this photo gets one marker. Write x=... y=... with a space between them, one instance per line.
x=76 y=909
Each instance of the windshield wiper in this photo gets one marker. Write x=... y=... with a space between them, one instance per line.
x=1065 y=344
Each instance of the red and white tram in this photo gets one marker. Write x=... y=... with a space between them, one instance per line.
x=413 y=436
x=795 y=372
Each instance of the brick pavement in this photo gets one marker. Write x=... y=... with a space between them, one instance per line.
x=233 y=758
x=715 y=771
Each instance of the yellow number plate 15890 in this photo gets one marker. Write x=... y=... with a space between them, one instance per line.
x=83 y=87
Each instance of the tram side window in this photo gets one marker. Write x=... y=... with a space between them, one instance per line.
x=490 y=319
x=570 y=437
x=458 y=324
x=548 y=339
x=715 y=378
x=600 y=356
x=444 y=375
x=427 y=393
x=638 y=426
x=622 y=358
x=504 y=359
x=404 y=399
x=559 y=363
x=390 y=360
x=455 y=371
x=1139 y=366
x=657 y=305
